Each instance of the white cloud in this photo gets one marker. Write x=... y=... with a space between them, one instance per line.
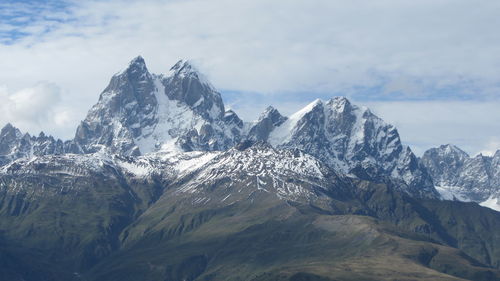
x=429 y=49
x=473 y=126
x=36 y=109
x=491 y=147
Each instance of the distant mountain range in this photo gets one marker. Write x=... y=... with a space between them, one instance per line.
x=161 y=182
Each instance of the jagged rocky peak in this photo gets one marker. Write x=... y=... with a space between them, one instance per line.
x=185 y=68
x=461 y=177
x=136 y=76
x=451 y=150
x=137 y=63
x=140 y=112
x=231 y=117
x=352 y=139
x=444 y=161
x=269 y=111
x=340 y=104
x=273 y=115
x=186 y=84
x=15 y=145
x=268 y=120
x=9 y=138
x=9 y=132
x=116 y=119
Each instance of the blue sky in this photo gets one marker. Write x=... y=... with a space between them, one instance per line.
x=430 y=67
x=18 y=16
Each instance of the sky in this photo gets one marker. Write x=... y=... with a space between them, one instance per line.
x=430 y=67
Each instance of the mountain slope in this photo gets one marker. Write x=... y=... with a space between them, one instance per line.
x=199 y=215
x=286 y=215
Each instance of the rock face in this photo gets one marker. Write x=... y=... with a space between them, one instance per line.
x=350 y=139
x=459 y=176
x=140 y=112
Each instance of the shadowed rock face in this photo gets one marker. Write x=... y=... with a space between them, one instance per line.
x=470 y=178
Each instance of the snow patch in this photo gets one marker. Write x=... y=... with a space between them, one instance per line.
x=173 y=119
x=492 y=203
x=137 y=169
x=452 y=193
x=283 y=133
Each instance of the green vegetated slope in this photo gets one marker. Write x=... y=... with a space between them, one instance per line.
x=374 y=233
x=55 y=224
x=110 y=227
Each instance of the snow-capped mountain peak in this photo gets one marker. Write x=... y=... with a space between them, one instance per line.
x=137 y=63
x=450 y=148
x=136 y=70
x=340 y=104
x=443 y=162
x=186 y=68
x=139 y=113
x=267 y=122
x=351 y=139
x=9 y=131
x=285 y=132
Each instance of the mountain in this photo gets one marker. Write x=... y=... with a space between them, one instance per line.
x=161 y=182
x=350 y=139
x=140 y=112
x=275 y=209
x=267 y=122
x=271 y=214
x=15 y=145
x=461 y=177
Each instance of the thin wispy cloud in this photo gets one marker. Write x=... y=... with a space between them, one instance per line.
x=286 y=51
